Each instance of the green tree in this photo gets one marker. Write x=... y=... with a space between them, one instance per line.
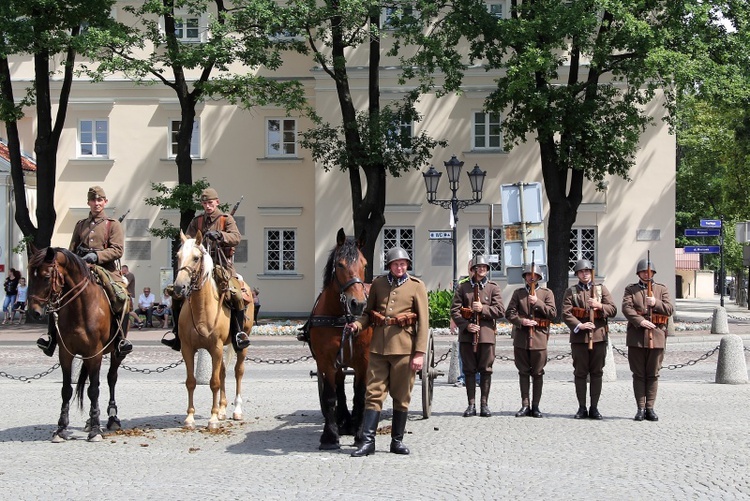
x=49 y=31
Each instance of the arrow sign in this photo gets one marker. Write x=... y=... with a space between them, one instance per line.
x=703 y=249
x=700 y=232
x=710 y=223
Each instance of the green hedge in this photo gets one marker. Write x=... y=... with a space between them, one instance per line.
x=440 y=307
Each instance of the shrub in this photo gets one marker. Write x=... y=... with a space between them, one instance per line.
x=440 y=307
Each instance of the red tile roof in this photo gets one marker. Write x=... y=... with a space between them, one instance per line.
x=27 y=163
x=686 y=260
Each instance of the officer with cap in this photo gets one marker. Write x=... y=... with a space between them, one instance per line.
x=648 y=317
x=221 y=230
x=476 y=317
x=397 y=308
x=530 y=315
x=588 y=339
x=99 y=240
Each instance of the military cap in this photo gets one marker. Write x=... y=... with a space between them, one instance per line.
x=209 y=194
x=96 y=192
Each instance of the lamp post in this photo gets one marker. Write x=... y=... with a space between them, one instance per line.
x=453 y=168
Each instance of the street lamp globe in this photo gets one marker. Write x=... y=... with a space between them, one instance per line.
x=476 y=178
x=453 y=167
x=431 y=182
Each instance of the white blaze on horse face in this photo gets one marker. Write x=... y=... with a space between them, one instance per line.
x=192 y=259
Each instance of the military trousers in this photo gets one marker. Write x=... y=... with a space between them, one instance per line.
x=389 y=374
x=645 y=364
x=481 y=361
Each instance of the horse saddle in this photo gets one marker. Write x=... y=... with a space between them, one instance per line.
x=116 y=291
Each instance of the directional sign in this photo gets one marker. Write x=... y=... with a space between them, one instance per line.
x=710 y=223
x=703 y=249
x=699 y=232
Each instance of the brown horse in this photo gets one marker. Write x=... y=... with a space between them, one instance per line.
x=204 y=323
x=61 y=285
x=343 y=298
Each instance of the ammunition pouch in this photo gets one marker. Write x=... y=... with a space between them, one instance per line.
x=402 y=320
x=542 y=323
x=584 y=315
x=467 y=313
x=656 y=319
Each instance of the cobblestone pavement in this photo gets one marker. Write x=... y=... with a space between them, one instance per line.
x=699 y=449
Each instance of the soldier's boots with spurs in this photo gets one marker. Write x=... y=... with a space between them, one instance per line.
x=239 y=338
x=471 y=410
x=650 y=415
x=535 y=412
x=47 y=345
x=582 y=413
x=524 y=411
x=369 y=428
x=397 y=433
x=595 y=414
x=640 y=414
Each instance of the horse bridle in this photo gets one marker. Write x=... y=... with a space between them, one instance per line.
x=195 y=274
x=342 y=296
x=56 y=300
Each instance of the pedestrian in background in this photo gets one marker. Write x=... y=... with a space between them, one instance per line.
x=10 y=286
x=20 y=305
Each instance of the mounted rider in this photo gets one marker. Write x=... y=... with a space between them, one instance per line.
x=221 y=230
x=100 y=241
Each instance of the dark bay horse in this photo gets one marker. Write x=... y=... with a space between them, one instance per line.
x=342 y=299
x=204 y=323
x=61 y=285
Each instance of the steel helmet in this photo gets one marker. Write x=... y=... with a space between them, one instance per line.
x=644 y=265
x=478 y=259
x=535 y=269
x=395 y=254
x=583 y=264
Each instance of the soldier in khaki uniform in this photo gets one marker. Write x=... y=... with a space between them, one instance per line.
x=476 y=321
x=530 y=315
x=646 y=337
x=588 y=340
x=398 y=310
x=221 y=229
x=99 y=240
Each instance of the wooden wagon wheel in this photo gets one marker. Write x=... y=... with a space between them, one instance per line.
x=428 y=376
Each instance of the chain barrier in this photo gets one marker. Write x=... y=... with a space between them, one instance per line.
x=28 y=379
x=672 y=367
x=443 y=357
x=734 y=317
x=158 y=370
x=695 y=322
x=278 y=361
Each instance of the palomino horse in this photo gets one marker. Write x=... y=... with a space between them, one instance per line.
x=60 y=284
x=204 y=323
x=343 y=298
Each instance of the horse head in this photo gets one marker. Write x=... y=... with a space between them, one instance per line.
x=52 y=271
x=346 y=270
x=194 y=265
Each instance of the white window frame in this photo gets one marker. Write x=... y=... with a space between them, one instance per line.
x=400 y=239
x=577 y=250
x=389 y=12
x=277 y=137
x=486 y=135
x=283 y=264
x=95 y=142
x=400 y=129
x=181 y=18
x=195 y=140
x=501 y=4
x=480 y=244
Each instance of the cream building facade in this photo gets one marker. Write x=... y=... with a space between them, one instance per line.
x=119 y=135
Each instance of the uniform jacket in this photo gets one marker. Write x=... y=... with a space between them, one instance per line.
x=492 y=309
x=230 y=234
x=392 y=301
x=102 y=235
x=518 y=309
x=578 y=297
x=634 y=309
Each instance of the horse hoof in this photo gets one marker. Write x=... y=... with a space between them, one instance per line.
x=222 y=416
x=113 y=424
x=329 y=447
x=60 y=436
x=213 y=425
x=237 y=416
x=87 y=428
x=95 y=438
x=189 y=426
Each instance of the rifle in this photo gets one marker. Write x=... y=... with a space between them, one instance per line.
x=649 y=293
x=475 y=317
x=532 y=292
x=234 y=209
x=122 y=218
x=592 y=312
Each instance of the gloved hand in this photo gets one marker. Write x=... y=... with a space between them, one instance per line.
x=91 y=258
x=214 y=235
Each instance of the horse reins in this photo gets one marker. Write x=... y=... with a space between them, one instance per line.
x=194 y=286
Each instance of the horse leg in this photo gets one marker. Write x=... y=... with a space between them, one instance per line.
x=343 y=417
x=239 y=372
x=223 y=385
x=215 y=384
x=62 y=434
x=329 y=440
x=95 y=431
x=113 y=422
x=188 y=354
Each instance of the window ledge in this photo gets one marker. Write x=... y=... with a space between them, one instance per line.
x=200 y=160
x=93 y=160
x=280 y=276
x=290 y=159
x=485 y=151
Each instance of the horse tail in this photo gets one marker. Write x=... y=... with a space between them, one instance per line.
x=81 y=385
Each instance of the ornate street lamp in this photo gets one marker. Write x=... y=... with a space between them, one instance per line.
x=431 y=182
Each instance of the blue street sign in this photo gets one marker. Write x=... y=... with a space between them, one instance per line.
x=710 y=223
x=703 y=249
x=700 y=232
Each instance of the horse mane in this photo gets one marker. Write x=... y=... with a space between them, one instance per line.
x=349 y=251
x=208 y=262
x=39 y=258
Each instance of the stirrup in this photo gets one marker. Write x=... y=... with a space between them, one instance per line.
x=242 y=340
x=124 y=347
x=173 y=343
x=46 y=345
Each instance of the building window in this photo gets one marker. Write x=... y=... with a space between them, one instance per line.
x=400 y=135
x=487 y=133
x=398 y=237
x=187 y=28
x=582 y=246
x=281 y=137
x=93 y=138
x=390 y=16
x=195 y=140
x=481 y=244
x=281 y=250
x=496 y=8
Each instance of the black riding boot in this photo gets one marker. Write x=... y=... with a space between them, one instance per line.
x=47 y=345
x=124 y=346
x=239 y=338
x=173 y=343
x=369 y=428
x=397 y=432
